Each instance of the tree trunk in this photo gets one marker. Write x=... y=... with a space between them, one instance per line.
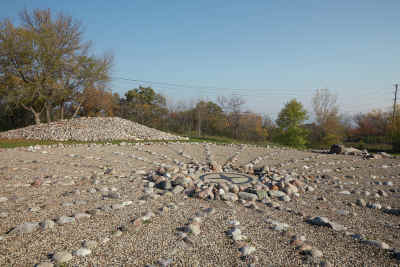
x=76 y=111
x=62 y=111
x=199 y=124
x=48 y=115
x=36 y=115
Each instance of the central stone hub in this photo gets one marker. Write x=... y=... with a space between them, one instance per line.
x=229 y=177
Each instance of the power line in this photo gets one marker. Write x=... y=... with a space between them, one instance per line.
x=203 y=86
x=208 y=91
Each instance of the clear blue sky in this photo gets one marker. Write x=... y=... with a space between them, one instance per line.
x=271 y=51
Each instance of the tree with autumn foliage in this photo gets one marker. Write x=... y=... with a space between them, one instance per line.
x=45 y=64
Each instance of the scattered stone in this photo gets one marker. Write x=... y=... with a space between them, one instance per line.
x=193 y=228
x=323 y=221
x=117 y=233
x=178 y=189
x=376 y=243
x=62 y=256
x=65 y=219
x=82 y=252
x=90 y=244
x=81 y=215
x=376 y=206
x=44 y=264
x=248 y=196
x=247 y=250
x=114 y=195
x=47 y=224
x=361 y=202
x=278 y=226
x=34 y=209
x=25 y=228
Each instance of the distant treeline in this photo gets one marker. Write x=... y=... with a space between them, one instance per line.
x=47 y=73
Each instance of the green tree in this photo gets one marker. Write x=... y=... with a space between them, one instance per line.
x=45 y=63
x=145 y=106
x=290 y=122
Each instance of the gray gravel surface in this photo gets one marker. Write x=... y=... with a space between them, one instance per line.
x=112 y=184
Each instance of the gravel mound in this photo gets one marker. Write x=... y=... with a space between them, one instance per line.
x=90 y=129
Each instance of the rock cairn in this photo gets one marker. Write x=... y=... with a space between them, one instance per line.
x=90 y=129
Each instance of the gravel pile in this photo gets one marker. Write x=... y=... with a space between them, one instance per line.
x=90 y=129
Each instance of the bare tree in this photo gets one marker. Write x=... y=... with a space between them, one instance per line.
x=324 y=105
x=327 y=117
x=233 y=107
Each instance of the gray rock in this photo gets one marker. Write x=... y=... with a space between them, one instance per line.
x=165 y=185
x=262 y=194
x=285 y=198
x=81 y=215
x=337 y=149
x=316 y=253
x=82 y=252
x=392 y=211
x=276 y=193
x=388 y=183
x=343 y=212
x=278 y=226
x=165 y=262
x=361 y=202
x=376 y=206
x=376 y=243
x=90 y=244
x=193 y=228
x=114 y=195
x=248 y=196
x=47 y=224
x=232 y=197
x=117 y=233
x=62 y=256
x=34 y=209
x=182 y=181
x=178 y=189
x=148 y=190
x=323 y=221
x=25 y=228
x=44 y=264
x=65 y=219
x=117 y=206
x=247 y=250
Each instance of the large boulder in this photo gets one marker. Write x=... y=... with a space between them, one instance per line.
x=337 y=149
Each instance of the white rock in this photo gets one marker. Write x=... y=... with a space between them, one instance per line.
x=82 y=252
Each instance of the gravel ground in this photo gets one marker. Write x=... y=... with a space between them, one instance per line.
x=111 y=183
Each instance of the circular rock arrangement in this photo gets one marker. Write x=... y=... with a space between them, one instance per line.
x=90 y=129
